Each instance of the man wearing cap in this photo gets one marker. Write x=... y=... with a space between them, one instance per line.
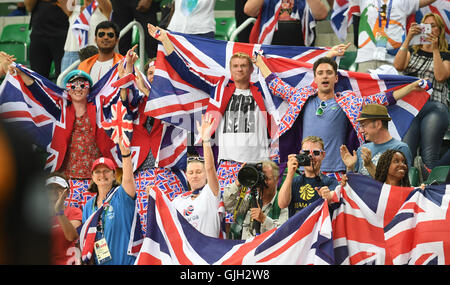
x=373 y=123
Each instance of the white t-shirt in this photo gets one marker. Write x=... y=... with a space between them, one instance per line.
x=197 y=18
x=371 y=35
x=243 y=130
x=202 y=212
x=100 y=68
x=96 y=18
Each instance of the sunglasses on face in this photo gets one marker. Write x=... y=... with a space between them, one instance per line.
x=321 y=109
x=102 y=34
x=81 y=84
x=195 y=158
x=315 y=152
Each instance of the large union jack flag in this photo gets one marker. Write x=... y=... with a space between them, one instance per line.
x=420 y=231
x=176 y=101
x=303 y=239
x=367 y=206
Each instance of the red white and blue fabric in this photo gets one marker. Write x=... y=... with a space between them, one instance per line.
x=366 y=208
x=36 y=114
x=89 y=231
x=420 y=231
x=170 y=182
x=179 y=103
x=81 y=25
x=78 y=195
x=353 y=89
x=119 y=125
x=170 y=239
x=267 y=21
x=342 y=17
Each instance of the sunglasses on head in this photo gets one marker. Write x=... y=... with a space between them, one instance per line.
x=315 y=152
x=195 y=158
x=81 y=84
x=102 y=34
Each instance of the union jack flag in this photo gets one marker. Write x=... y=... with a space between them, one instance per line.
x=36 y=114
x=267 y=22
x=303 y=239
x=79 y=194
x=121 y=124
x=340 y=19
x=419 y=233
x=366 y=208
x=179 y=103
x=81 y=25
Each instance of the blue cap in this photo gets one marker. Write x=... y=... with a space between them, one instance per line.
x=77 y=73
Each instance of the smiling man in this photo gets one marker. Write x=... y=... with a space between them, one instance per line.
x=326 y=114
x=373 y=123
x=106 y=39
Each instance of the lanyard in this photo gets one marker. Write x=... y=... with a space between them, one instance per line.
x=388 y=13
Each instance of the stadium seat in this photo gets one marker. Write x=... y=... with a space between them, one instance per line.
x=224 y=28
x=413 y=174
x=19 y=50
x=16 y=33
x=438 y=174
x=15 y=40
x=347 y=62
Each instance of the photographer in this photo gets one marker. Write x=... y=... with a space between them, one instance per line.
x=239 y=200
x=298 y=192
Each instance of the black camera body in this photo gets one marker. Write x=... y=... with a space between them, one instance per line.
x=303 y=159
x=251 y=175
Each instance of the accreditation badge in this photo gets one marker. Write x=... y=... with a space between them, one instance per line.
x=102 y=251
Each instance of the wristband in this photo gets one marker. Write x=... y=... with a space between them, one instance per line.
x=207 y=141
x=60 y=213
x=402 y=48
x=127 y=155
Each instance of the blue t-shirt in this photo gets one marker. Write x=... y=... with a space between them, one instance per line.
x=303 y=192
x=378 y=149
x=117 y=220
x=331 y=126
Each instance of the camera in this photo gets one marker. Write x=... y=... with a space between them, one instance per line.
x=252 y=175
x=303 y=159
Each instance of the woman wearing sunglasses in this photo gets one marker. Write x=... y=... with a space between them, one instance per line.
x=200 y=205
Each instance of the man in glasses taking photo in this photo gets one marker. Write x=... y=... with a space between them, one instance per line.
x=297 y=192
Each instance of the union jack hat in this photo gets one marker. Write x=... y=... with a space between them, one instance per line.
x=105 y=161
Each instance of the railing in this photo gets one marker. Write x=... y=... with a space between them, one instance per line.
x=122 y=32
x=241 y=27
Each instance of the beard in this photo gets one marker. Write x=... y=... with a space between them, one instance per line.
x=106 y=50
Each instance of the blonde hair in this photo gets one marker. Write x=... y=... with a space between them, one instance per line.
x=274 y=166
x=442 y=42
x=314 y=139
x=240 y=54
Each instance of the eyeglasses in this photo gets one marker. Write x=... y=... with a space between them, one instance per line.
x=102 y=34
x=321 y=109
x=195 y=158
x=315 y=152
x=81 y=84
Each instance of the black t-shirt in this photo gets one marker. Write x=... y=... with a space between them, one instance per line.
x=48 y=20
x=303 y=192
